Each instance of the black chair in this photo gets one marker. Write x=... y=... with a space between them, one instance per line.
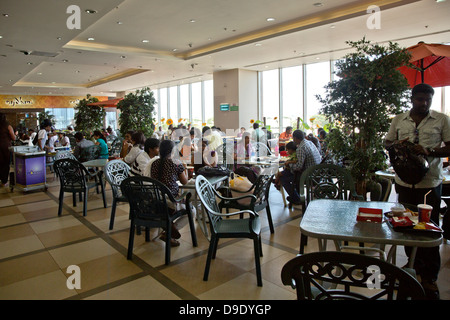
x=115 y=172
x=228 y=228
x=116 y=147
x=90 y=153
x=325 y=181
x=148 y=199
x=334 y=275
x=74 y=178
x=258 y=202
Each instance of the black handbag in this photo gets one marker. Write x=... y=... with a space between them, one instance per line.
x=411 y=168
x=207 y=171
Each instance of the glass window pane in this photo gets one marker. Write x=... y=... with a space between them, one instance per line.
x=292 y=96
x=173 y=105
x=197 y=104
x=271 y=99
x=447 y=100
x=437 y=100
x=209 y=102
x=163 y=106
x=317 y=77
x=184 y=103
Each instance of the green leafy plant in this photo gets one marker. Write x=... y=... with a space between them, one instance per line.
x=136 y=112
x=88 y=118
x=360 y=104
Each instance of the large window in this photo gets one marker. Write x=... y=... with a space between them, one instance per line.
x=196 y=89
x=292 y=96
x=184 y=103
x=209 y=102
x=163 y=106
x=317 y=77
x=63 y=116
x=173 y=105
x=271 y=99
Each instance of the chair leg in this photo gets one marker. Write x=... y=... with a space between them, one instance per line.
x=168 y=238
x=61 y=199
x=74 y=199
x=147 y=234
x=192 y=227
x=269 y=217
x=212 y=244
x=85 y=202
x=216 y=243
x=256 y=245
x=105 y=205
x=131 y=241
x=303 y=243
x=113 y=214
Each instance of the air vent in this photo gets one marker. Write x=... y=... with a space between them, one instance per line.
x=44 y=54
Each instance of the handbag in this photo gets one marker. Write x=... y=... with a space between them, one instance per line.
x=207 y=171
x=409 y=167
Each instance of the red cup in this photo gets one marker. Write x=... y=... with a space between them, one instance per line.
x=424 y=212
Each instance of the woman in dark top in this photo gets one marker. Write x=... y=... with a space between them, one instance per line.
x=169 y=171
x=6 y=136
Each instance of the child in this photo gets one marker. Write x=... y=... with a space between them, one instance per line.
x=291 y=149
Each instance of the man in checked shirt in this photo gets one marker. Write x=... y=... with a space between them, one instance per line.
x=307 y=155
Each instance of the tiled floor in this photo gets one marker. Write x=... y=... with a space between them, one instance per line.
x=37 y=247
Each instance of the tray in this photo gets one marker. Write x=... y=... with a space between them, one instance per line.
x=410 y=228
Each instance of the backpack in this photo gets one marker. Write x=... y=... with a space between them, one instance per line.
x=410 y=167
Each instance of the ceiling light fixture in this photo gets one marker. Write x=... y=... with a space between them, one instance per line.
x=6 y=15
x=90 y=11
x=145 y=41
x=91 y=39
x=318 y=4
x=270 y=19
x=192 y=20
x=119 y=22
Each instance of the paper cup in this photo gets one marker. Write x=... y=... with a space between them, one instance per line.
x=424 y=212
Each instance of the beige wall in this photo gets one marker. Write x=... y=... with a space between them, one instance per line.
x=236 y=87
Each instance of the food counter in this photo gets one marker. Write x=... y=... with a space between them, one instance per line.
x=28 y=167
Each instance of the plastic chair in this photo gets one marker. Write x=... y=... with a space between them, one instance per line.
x=228 y=228
x=256 y=203
x=74 y=178
x=325 y=181
x=348 y=274
x=90 y=153
x=148 y=199
x=115 y=172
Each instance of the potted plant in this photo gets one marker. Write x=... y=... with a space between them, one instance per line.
x=88 y=118
x=360 y=105
x=136 y=112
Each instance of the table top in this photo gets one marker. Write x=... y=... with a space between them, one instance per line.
x=336 y=220
x=212 y=180
x=95 y=163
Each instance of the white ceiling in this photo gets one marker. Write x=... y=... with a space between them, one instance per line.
x=226 y=34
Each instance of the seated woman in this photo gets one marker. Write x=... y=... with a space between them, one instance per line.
x=169 y=172
x=64 y=140
x=101 y=141
x=138 y=140
x=126 y=144
x=151 y=150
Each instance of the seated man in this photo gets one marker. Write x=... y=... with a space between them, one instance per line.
x=307 y=155
x=81 y=143
x=284 y=138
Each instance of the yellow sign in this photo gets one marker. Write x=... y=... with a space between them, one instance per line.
x=40 y=102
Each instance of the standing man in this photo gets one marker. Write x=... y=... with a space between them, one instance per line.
x=429 y=130
x=46 y=126
x=307 y=155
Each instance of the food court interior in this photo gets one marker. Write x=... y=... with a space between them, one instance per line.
x=267 y=59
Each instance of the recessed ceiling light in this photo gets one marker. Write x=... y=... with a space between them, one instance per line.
x=6 y=15
x=59 y=38
x=91 y=39
x=318 y=4
x=257 y=44
x=1 y=37
x=65 y=60
x=145 y=41
x=119 y=22
x=29 y=63
x=90 y=11
x=174 y=50
x=39 y=73
x=332 y=26
x=270 y=19
x=192 y=20
x=123 y=57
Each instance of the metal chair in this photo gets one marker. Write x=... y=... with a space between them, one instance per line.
x=74 y=178
x=334 y=275
x=148 y=199
x=325 y=181
x=115 y=172
x=228 y=228
x=64 y=154
x=116 y=147
x=256 y=203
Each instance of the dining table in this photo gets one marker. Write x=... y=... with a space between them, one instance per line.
x=336 y=220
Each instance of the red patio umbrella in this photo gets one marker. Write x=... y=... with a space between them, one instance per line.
x=431 y=65
x=107 y=103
